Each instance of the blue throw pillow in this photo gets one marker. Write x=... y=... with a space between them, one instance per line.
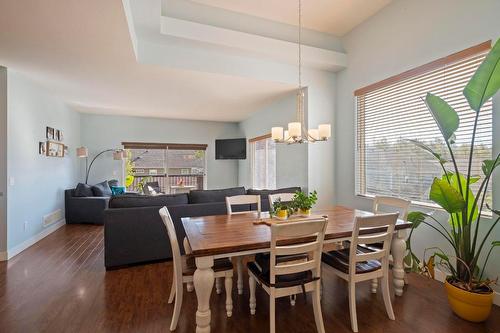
x=117 y=190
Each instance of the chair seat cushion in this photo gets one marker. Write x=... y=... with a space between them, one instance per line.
x=189 y=265
x=339 y=259
x=282 y=281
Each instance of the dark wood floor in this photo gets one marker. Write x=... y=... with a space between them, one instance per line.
x=60 y=285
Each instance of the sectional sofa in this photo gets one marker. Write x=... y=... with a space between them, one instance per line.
x=134 y=232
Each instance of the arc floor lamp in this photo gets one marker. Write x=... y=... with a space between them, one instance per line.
x=83 y=152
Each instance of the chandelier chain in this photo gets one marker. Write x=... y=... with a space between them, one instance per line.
x=300 y=44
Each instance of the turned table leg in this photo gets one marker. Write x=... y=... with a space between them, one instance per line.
x=398 y=249
x=203 y=281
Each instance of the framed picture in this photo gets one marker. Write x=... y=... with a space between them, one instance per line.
x=55 y=149
x=49 y=133
x=42 y=148
x=60 y=135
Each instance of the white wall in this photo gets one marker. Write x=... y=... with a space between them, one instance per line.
x=38 y=181
x=3 y=162
x=404 y=35
x=291 y=161
x=101 y=132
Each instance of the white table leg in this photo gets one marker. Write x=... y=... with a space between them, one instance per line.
x=398 y=249
x=203 y=280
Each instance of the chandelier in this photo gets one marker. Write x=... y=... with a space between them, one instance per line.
x=297 y=131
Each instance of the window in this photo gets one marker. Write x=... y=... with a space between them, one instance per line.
x=174 y=168
x=392 y=111
x=263 y=159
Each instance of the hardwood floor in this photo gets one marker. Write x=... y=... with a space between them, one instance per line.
x=60 y=285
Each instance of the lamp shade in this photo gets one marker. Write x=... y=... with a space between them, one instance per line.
x=118 y=155
x=294 y=129
x=277 y=133
x=82 y=152
x=325 y=131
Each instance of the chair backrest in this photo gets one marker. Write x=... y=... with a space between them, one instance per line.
x=401 y=205
x=245 y=199
x=284 y=197
x=176 y=252
x=292 y=235
x=369 y=230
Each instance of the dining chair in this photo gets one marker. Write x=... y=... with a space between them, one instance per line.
x=184 y=268
x=245 y=199
x=361 y=263
x=241 y=200
x=391 y=204
x=283 y=197
x=291 y=278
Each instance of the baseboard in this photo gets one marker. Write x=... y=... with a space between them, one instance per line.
x=29 y=242
x=441 y=276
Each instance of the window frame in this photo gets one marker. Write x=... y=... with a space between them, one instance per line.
x=252 y=143
x=359 y=158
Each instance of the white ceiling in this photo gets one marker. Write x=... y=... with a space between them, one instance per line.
x=336 y=17
x=82 y=51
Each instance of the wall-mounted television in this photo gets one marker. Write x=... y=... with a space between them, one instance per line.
x=231 y=149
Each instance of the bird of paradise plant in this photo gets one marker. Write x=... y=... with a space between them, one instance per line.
x=453 y=191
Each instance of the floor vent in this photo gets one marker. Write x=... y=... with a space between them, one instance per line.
x=52 y=217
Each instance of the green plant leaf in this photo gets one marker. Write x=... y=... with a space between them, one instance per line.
x=495 y=243
x=446 y=196
x=455 y=184
x=429 y=150
x=416 y=218
x=486 y=80
x=489 y=165
x=446 y=118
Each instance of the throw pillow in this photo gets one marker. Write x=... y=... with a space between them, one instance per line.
x=113 y=182
x=102 y=189
x=118 y=190
x=83 y=190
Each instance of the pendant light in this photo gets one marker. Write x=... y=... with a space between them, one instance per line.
x=297 y=132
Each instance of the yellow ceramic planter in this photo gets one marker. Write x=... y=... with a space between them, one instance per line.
x=282 y=214
x=306 y=212
x=469 y=306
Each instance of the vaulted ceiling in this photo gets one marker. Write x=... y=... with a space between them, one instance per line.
x=148 y=58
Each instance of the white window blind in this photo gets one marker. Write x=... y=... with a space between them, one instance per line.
x=392 y=111
x=263 y=155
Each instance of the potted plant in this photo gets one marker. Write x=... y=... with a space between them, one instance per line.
x=280 y=210
x=304 y=202
x=469 y=291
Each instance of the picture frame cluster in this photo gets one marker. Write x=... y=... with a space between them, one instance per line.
x=53 y=146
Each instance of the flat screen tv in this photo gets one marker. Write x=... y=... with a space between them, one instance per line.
x=231 y=149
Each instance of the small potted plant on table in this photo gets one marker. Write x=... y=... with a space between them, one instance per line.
x=304 y=202
x=281 y=210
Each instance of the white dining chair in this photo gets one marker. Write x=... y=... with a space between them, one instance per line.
x=290 y=278
x=242 y=200
x=361 y=263
x=391 y=204
x=283 y=197
x=184 y=268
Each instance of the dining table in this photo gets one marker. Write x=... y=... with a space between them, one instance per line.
x=225 y=236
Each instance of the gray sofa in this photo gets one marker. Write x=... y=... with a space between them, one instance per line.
x=134 y=232
x=84 y=209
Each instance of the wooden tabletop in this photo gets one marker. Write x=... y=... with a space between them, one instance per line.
x=221 y=234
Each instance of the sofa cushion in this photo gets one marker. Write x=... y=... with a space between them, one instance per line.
x=102 y=189
x=136 y=200
x=204 y=196
x=264 y=194
x=83 y=190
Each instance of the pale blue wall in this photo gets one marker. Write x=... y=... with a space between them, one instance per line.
x=291 y=160
x=101 y=132
x=39 y=181
x=396 y=39
x=3 y=161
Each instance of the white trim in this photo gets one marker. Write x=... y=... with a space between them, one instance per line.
x=441 y=276
x=29 y=242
